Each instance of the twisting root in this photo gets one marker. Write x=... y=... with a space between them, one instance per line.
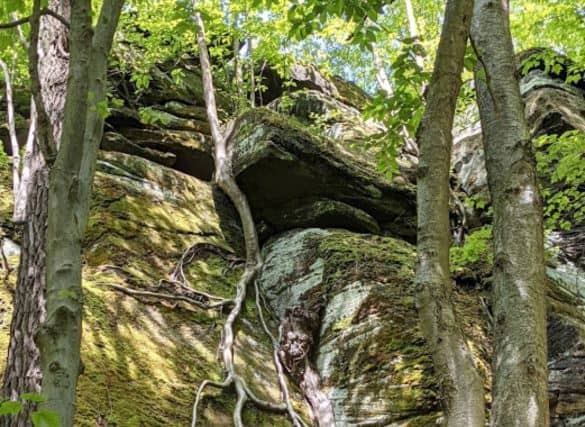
x=296 y=419
x=159 y=295
x=180 y=290
x=228 y=381
x=195 y=251
x=225 y=180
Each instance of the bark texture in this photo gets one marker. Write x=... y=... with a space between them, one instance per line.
x=54 y=65
x=462 y=386
x=69 y=195
x=520 y=362
x=23 y=371
x=60 y=335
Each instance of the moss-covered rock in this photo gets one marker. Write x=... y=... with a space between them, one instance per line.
x=327 y=115
x=145 y=358
x=279 y=162
x=375 y=366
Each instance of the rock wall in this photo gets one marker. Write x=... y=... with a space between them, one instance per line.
x=337 y=240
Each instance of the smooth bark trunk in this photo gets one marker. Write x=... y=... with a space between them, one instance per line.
x=26 y=184
x=69 y=194
x=60 y=334
x=461 y=384
x=520 y=363
x=12 y=130
x=413 y=30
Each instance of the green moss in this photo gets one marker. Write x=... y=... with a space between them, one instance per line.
x=475 y=255
x=145 y=358
x=390 y=363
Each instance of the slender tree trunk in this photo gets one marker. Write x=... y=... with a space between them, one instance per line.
x=29 y=166
x=60 y=335
x=413 y=30
x=252 y=74
x=23 y=373
x=460 y=381
x=381 y=75
x=520 y=362
x=12 y=130
x=69 y=194
x=238 y=70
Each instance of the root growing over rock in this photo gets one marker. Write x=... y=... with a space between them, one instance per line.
x=225 y=180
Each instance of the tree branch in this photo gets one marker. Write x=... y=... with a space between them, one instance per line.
x=23 y=40
x=28 y=19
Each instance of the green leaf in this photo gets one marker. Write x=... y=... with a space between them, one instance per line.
x=10 y=407
x=33 y=397
x=45 y=418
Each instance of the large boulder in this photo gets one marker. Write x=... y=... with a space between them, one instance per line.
x=551 y=106
x=281 y=165
x=374 y=364
x=144 y=357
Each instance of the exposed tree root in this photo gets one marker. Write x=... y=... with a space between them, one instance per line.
x=197 y=251
x=225 y=180
x=160 y=295
x=177 y=287
x=298 y=328
x=296 y=419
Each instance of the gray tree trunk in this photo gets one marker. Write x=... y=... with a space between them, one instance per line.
x=12 y=129
x=69 y=194
x=461 y=384
x=23 y=371
x=413 y=30
x=520 y=362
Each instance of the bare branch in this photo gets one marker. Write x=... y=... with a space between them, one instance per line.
x=27 y=19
